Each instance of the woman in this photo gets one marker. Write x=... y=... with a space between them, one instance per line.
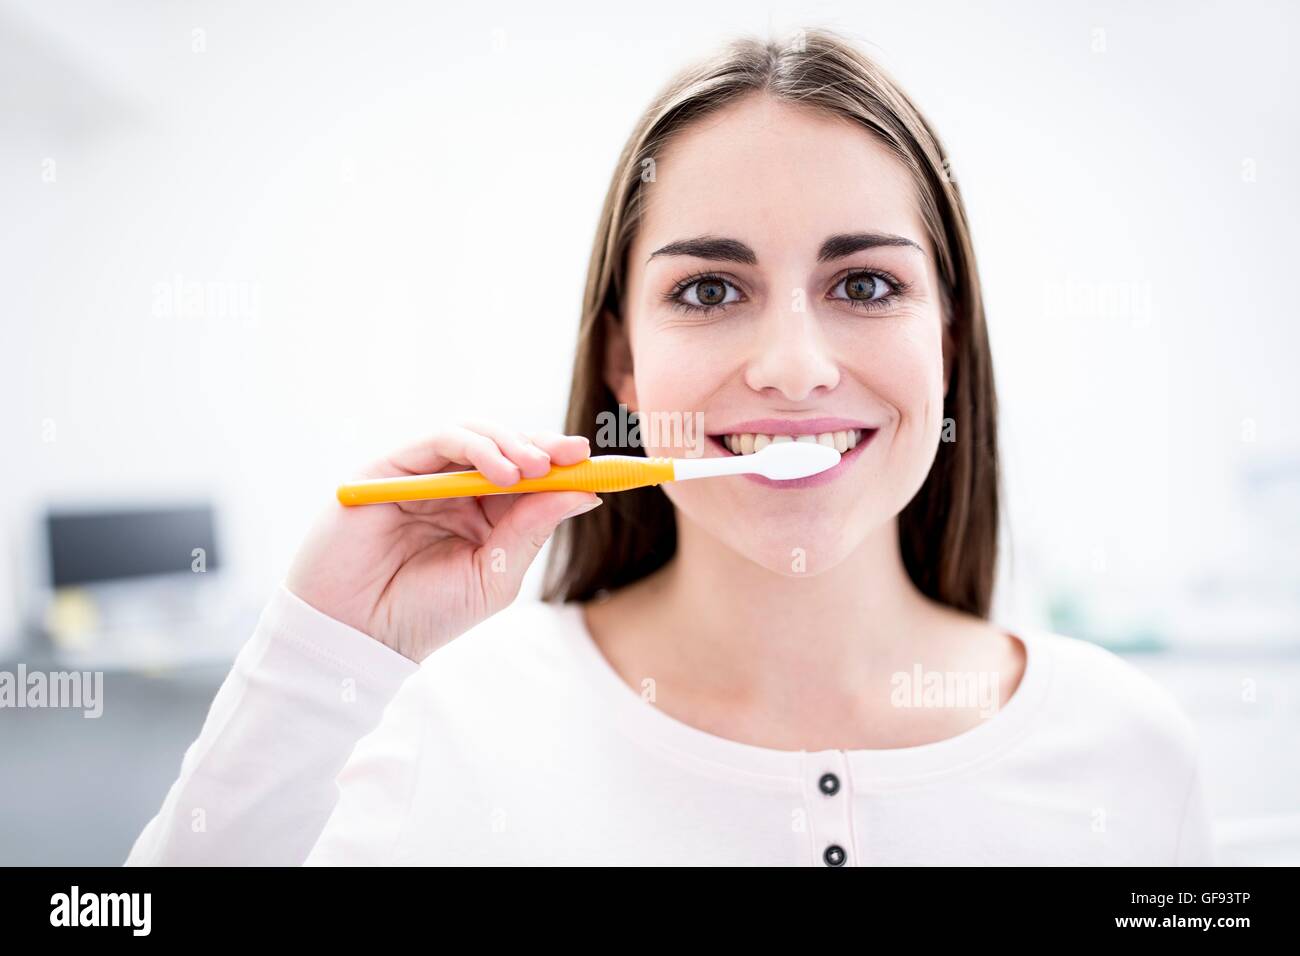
x=729 y=671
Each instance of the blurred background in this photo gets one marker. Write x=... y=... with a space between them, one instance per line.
x=248 y=246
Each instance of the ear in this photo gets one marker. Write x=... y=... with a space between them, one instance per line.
x=618 y=371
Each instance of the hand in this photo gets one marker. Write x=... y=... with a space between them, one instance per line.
x=416 y=574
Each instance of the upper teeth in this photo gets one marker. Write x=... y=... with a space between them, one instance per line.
x=747 y=444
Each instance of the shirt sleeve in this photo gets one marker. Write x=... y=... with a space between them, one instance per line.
x=376 y=790
x=258 y=784
x=1195 y=834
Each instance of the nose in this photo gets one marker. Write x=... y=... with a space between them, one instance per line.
x=791 y=356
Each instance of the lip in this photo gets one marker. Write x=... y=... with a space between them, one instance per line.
x=807 y=426
x=792 y=426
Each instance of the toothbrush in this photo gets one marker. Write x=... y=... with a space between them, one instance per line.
x=780 y=461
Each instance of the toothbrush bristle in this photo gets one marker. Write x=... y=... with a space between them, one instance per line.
x=786 y=461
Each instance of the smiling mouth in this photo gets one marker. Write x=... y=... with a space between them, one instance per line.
x=748 y=443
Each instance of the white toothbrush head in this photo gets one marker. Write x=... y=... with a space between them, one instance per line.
x=779 y=461
x=787 y=460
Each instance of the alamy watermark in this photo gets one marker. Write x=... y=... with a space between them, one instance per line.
x=946 y=689
x=82 y=690
x=183 y=298
x=130 y=910
x=657 y=429
x=1084 y=299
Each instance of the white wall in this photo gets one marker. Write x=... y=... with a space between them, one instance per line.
x=407 y=191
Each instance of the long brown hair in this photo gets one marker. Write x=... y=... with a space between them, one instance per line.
x=948 y=532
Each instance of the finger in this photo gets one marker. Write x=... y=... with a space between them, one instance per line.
x=531 y=460
x=520 y=534
x=563 y=449
x=455 y=445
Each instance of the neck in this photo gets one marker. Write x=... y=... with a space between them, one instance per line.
x=758 y=632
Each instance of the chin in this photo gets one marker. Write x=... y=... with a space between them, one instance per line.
x=794 y=546
x=816 y=557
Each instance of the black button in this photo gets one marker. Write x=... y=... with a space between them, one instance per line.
x=834 y=855
x=829 y=784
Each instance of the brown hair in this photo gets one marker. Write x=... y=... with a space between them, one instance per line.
x=948 y=531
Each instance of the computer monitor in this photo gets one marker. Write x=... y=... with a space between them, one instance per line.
x=89 y=547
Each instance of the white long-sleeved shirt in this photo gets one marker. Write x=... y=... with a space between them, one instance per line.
x=518 y=743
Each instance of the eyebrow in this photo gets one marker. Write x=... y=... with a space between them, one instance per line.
x=709 y=247
x=733 y=250
x=845 y=244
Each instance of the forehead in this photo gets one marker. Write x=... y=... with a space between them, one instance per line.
x=778 y=177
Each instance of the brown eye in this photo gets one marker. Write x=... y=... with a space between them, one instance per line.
x=867 y=290
x=710 y=291
x=862 y=286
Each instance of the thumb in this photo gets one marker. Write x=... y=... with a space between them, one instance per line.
x=520 y=534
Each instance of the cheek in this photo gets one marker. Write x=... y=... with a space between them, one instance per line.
x=906 y=373
x=902 y=366
x=675 y=376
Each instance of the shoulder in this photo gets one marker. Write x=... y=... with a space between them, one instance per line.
x=535 y=629
x=1095 y=694
x=523 y=648
x=1120 y=730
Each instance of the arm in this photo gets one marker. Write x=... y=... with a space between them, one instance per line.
x=1195 y=836
x=258 y=784
x=372 y=591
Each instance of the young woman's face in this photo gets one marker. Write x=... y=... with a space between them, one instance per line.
x=813 y=307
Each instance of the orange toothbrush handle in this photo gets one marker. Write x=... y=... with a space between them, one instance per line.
x=602 y=473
